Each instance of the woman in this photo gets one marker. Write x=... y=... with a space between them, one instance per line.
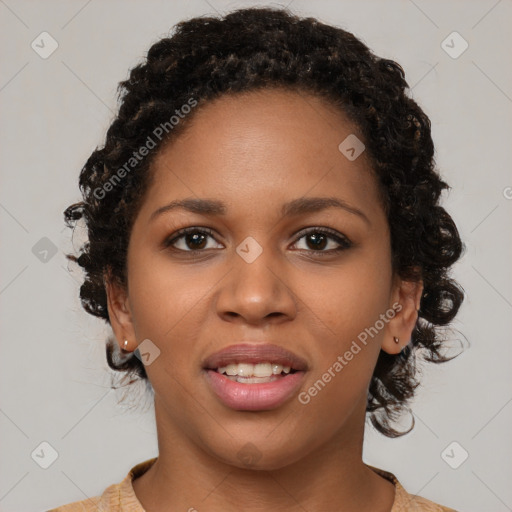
x=266 y=241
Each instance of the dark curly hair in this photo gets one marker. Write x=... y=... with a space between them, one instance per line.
x=267 y=48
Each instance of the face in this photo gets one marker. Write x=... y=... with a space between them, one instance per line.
x=293 y=249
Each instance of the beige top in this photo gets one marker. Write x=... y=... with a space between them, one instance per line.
x=121 y=497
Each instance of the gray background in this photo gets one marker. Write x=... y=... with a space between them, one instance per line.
x=55 y=385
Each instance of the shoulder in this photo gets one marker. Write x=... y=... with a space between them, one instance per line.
x=405 y=502
x=413 y=503
x=118 y=497
x=94 y=504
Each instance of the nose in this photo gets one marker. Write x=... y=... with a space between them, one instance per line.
x=256 y=292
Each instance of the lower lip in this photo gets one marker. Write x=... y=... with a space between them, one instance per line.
x=254 y=397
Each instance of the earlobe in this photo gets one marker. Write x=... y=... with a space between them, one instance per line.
x=120 y=314
x=399 y=330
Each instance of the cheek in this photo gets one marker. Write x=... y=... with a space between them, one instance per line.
x=162 y=294
x=165 y=303
x=345 y=322
x=348 y=298
x=162 y=303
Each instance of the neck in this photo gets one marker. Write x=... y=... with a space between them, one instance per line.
x=331 y=476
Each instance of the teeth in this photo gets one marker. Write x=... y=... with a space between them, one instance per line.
x=254 y=370
x=253 y=380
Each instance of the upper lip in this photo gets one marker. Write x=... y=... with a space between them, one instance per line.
x=254 y=353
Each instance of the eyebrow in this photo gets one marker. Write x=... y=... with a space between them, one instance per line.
x=296 y=207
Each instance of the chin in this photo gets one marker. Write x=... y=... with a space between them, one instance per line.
x=264 y=455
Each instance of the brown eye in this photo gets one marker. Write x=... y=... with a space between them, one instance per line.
x=317 y=240
x=191 y=239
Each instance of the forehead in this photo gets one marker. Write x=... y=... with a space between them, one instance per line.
x=267 y=144
x=304 y=125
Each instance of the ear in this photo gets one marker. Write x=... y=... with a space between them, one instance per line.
x=406 y=297
x=119 y=313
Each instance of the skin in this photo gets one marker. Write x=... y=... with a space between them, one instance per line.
x=255 y=152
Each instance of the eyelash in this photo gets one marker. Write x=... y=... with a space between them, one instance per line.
x=343 y=241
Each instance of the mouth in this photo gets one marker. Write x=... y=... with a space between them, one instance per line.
x=261 y=361
x=254 y=376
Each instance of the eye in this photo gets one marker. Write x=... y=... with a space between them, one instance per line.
x=318 y=239
x=195 y=238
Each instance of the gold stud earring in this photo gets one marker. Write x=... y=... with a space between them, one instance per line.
x=396 y=340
